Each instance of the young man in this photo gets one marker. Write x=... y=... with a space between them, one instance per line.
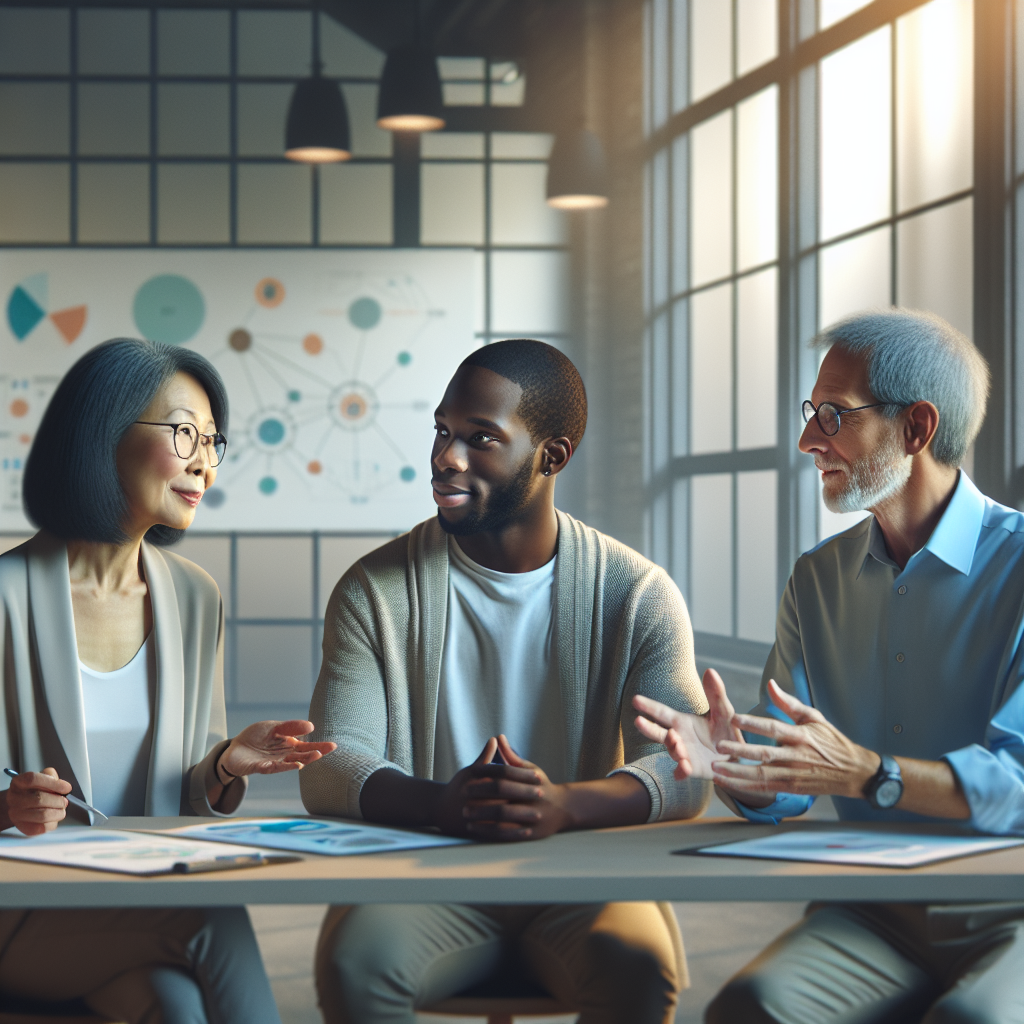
x=893 y=686
x=464 y=663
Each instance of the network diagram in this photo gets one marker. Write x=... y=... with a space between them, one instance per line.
x=332 y=367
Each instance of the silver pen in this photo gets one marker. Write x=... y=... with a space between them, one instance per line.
x=98 y=815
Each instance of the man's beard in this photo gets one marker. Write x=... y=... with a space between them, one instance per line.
x=870 y=480
x=504 y=507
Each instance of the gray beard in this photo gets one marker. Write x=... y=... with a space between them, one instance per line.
x=872 y=479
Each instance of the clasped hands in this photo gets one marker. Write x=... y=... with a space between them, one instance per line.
x=35 y=802
x=502 y=802
x=811 y=757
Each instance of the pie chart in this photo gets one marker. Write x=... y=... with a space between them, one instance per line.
x=28 y=306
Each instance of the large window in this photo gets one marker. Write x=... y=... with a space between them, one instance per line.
x=798 y=170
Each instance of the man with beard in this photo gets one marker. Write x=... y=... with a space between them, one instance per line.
x=893 y=687
x=464 y=663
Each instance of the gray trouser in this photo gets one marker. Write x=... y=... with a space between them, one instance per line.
x=143 y=966
x=619 y=963
x=861 y=963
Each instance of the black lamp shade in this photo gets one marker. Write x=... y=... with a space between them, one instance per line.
x=410 y=91
x=317 y=129
x=578 y=172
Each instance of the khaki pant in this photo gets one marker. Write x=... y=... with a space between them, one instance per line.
x=885 y=964
x=142 y=966
x=619 y=963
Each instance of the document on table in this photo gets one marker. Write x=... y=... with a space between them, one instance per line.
x=314 y=835
x=871 y=849
x=131 y=853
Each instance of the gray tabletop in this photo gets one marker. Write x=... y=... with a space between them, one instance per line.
x=577 y=867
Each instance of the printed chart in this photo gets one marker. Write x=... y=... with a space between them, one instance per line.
x=333 y=361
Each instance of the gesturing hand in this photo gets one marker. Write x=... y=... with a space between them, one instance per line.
x=35 y=802
x=692 y=740
x=812 y=757
x=265 y=748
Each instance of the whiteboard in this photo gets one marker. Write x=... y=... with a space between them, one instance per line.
x=334 y=362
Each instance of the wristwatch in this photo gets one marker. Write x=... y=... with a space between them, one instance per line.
x=884 y=789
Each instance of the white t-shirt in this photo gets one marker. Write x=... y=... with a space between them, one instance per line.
x=118 y=731
x=499 y=672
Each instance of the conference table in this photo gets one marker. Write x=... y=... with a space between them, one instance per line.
x=616 y=864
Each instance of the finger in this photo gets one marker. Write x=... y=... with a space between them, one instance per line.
x=487 y=754
x=523 y=814
x=649 y=729
x=503 y=789
x=303 y=757
x=766 y=754
x=714 y=690
x=656 y=711
x=770 y=778
x=793 y=707
x=530 y=776
x=46 y=781
x=274 y=767
x=293 y=727
x=782 y=732
x=509 y=756
x=320 y=748
x=498 y=832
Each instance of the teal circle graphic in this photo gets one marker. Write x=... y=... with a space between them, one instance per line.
x=214 y=498
x=271 y=431
x=404 y=358
x=169 y=308
x=294 y=396
x=268 y=485
x=365 y=313
x=408 y=474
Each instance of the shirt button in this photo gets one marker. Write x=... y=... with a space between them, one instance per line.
x=902 y=590
x=897 y=729
x=899 y=657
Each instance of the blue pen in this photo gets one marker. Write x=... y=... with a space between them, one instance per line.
x=98 y=815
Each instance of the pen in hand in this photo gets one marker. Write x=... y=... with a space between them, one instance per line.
x=99 y=816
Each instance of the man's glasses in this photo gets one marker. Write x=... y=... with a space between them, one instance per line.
x=187 y=439
x=828 y=415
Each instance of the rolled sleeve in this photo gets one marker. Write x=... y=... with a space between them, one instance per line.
x=671 y=799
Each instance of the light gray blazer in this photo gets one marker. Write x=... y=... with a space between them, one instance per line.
x=42 y=721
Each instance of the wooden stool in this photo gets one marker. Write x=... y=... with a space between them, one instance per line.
x=499 y=1001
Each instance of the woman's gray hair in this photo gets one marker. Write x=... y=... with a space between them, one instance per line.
x=915 y=356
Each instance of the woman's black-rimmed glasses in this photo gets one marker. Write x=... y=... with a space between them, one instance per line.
x=187 y=439
x=828 y=414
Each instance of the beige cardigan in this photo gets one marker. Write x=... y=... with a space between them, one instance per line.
x=42 y=721
x=621 y=628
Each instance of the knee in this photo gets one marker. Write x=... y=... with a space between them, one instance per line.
x=953 y=1010
x=745 y=999
x=631 y=974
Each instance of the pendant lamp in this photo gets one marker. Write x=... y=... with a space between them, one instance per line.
x=410 y=97
x=317 y=130
x=578 y=172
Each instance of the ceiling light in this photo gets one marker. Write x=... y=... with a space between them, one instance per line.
x=410 y=91
x=578 y=172
x=317 y=130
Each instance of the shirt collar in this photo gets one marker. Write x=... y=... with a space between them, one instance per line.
x=955 y=537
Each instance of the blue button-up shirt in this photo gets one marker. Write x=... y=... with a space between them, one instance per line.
x=926 y=662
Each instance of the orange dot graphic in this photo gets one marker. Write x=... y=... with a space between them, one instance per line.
x=270 y=292
x=313 y=344
x=314 y=467
x=19 y=407
x=24 y=438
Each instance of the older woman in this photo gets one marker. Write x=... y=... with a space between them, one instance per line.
x=111 y=666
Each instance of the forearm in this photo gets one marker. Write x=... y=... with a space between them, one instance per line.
x=5 y=818
x=931 y=788
x=390 y=797
x=620 y=799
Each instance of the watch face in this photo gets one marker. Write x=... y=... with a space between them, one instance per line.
x=889 y=793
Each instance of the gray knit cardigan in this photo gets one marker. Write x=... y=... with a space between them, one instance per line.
x=621 y=627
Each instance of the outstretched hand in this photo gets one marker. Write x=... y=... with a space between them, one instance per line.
x=812 y=756
x=692 y=740
x=266 y=748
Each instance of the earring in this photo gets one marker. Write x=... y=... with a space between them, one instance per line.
x=547 y=471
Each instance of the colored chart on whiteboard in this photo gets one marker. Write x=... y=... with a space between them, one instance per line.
x=333 y=362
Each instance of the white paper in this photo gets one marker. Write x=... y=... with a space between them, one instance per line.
x=872 y=849
x=315 y=835
x=131 y=853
